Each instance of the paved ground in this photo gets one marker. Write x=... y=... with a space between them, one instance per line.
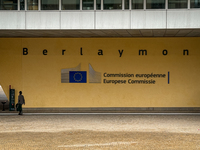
x=100 y=131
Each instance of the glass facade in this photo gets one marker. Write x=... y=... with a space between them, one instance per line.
x=112 y=4
x=137 y=4
x=70 y=4
x=194 y=3
x=22 y=4
x=98 y=4
x=49 y=4
x=173 y=4
x=32 y=4
x=126 y=4
x=8 y=5
x=155 y=4
x=88 y=4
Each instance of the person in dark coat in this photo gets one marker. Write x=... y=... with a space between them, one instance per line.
x=21 y=101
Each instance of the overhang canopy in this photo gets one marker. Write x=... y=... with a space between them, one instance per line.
x=101 y=33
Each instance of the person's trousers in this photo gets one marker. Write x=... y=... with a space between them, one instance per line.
x=19 y=108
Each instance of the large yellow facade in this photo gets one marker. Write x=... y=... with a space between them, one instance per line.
x=38 y=76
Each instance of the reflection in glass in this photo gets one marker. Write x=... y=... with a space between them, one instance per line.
x=22 y=5
x=155 y=4
x=172 y=4
x=70 y=4
x=98 y=6
x=194 y=3
x=49 y=4
x=88 y=4
x=112 y=4
x=8 y=5
x=126 y=4
x=137 y=4
x=32 y=4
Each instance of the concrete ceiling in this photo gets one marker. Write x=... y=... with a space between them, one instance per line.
x=101 y=33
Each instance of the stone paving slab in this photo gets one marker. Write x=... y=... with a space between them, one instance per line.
x=99 y=131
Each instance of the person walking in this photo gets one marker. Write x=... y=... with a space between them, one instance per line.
x=21 y=101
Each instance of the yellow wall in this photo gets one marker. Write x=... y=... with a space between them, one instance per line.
x=39 y=76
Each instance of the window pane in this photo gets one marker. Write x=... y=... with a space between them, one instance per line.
x=88 y=4
x=22 y=5
x=126 y=4
x=112 y=4
x=70 y=4
x=137 y=4
x=177 y=4
x=32 y=4
x=195 y=4
x=155 y=4
x=8 y=4
x=98 y=4
x=49 y=4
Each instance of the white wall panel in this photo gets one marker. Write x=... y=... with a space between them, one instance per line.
x=42 y=20
x=155 y=19
x=183 y=19
x=77 y=20
x=149 y=19
x=12 y=20
x=113 y=20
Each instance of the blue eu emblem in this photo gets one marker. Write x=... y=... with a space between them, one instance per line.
x=77 y=77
